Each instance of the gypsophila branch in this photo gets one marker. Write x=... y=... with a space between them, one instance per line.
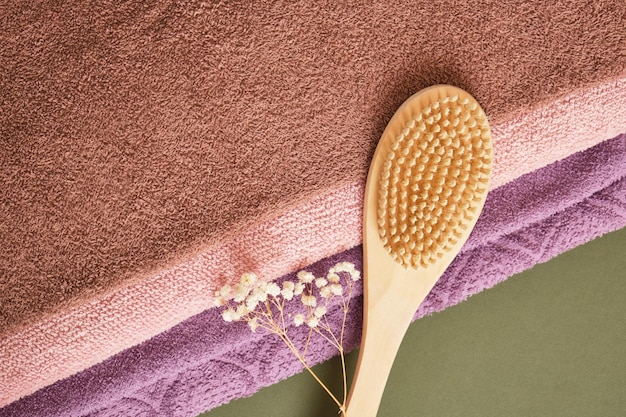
x=262 y=305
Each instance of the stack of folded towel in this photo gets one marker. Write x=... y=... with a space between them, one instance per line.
x=152 y=153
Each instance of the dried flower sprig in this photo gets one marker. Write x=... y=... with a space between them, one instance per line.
x=262 y=306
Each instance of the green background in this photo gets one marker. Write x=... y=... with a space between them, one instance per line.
x=547 y=342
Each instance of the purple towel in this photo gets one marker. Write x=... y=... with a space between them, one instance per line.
x=205 y=362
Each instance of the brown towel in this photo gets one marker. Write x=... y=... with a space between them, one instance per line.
x=131 y=134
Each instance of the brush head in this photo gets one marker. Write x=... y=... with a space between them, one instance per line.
x=434 y=178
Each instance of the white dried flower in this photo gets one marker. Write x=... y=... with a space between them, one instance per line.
x=336 y=289
x=313 y=322
x=241 y=292
x=230 y=315
x=248 y=279
x=319 y=311
x=305 y=277
x=326 y=292
x=251 y=302
x=288 y=289
x=333 y=278
x=343 y=267
x=242 y=310
x=225 y=291
x=309 y=300
x=226 y=316
x=298 y=319
x=254 y=324
x=356 y=275
x=320 y=282
x=260 y=294
x=272 y=289
x=287 y=294
x=219 y=301
x=298 y=288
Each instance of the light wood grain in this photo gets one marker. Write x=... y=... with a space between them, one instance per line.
x=392 y=292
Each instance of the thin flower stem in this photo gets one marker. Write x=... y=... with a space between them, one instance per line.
x=268 y=328
x=269 y=314
x=343 y=359
x=280 y=306
x=341 y=334
x=306 y=345
x=277 y=304
x=293 y=349
x=345 y=379
x=334 y=342
x=269 y=310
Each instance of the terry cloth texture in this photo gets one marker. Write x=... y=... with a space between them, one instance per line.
x=136 y=133
x=205 y=362
x=79 y=337
x=329 y=222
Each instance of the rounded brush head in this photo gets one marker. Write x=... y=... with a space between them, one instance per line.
x=434 y=178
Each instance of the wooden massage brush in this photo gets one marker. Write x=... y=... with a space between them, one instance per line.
x=427 y=184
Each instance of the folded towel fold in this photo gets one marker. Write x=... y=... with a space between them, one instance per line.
x=204 y=362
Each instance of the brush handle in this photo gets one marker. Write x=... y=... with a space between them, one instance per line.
x=391 y=300
x=376 y=358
